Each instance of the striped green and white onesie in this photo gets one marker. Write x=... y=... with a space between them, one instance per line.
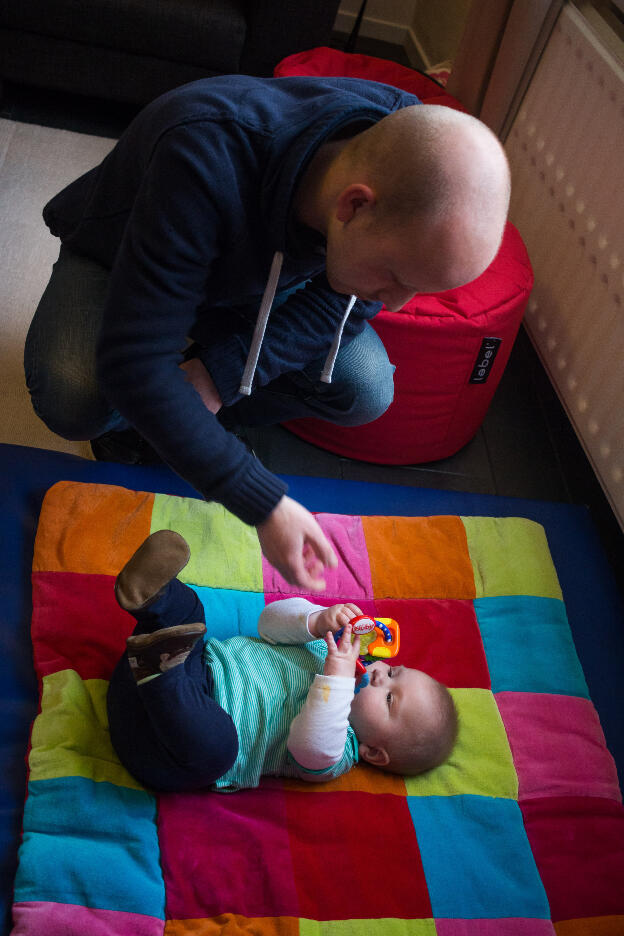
x=291 y=720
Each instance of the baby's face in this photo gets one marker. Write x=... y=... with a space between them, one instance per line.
x=392 y=704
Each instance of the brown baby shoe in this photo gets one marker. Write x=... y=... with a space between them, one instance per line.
x=158 y=560
x=155 y=653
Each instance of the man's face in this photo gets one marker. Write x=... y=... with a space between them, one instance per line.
x=392 y=266
x=373 y=267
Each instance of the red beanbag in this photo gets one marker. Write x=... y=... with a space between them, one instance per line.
x=450 y=349
x=331 y=63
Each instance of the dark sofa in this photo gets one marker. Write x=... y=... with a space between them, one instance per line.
x=134 y=50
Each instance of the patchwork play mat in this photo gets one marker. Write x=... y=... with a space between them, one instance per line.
x=521 y=833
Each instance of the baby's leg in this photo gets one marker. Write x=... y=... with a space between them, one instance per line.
x=169 y=732
x=150 y=570
x=165 y=726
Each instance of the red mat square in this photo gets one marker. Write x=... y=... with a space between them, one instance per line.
x=342 y=875
x=206 y=867
x=77 y=624
x=431 y=630
x=578 y=846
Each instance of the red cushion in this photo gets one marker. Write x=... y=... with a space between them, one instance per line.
x=435 y=341
x=331 y=63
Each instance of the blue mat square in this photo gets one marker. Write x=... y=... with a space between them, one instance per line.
x=115 y=869
x=477 y=859
x=230 y=612
x=529 y=646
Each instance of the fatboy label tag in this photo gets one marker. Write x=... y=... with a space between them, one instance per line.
x=485 y=359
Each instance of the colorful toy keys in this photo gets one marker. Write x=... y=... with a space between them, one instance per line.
x=379 y=638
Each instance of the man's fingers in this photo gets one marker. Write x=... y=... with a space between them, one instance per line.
x=298 y=573
x=293 y=542
x=321 y=547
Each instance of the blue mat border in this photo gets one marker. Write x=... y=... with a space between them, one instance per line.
x=594 y=603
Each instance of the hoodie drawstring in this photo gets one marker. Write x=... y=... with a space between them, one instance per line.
x=261 y=324
x=328 y=368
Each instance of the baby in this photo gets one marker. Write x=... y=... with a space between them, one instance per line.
x=185 y=714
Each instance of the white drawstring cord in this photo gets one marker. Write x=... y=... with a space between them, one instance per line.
x=328 y=368
x=261 y=323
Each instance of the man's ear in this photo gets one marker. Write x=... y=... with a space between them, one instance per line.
x=374 y=755
x=352 y=199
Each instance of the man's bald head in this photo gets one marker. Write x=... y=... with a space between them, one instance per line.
x=416 y=203
x=426 y=158
x=436 y=170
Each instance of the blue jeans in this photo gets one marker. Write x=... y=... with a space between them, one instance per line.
x=169 y=732
x=60 y=366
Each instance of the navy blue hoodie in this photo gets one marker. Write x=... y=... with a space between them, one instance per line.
x=188 y=211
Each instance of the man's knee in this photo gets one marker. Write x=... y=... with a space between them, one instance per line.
x=364 y=380
x=59 y=354
x=67 y=401
x=371 y=396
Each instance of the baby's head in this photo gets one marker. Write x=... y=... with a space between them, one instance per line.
x=404 y=720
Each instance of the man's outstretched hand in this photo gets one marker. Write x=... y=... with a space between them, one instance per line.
x=294 y=543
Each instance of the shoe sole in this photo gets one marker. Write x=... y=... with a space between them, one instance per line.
x=142 y=641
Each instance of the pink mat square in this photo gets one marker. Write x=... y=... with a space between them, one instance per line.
x=77 y=624
x=511 y=926
x=350 y=580
x=59 y=919
x=558 y=746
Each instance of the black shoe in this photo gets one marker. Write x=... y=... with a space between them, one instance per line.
x=153 y=654
x=126 y=447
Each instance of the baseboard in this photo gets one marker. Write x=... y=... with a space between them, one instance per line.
x=384 y=31
x=415 y=51
x=372 y=28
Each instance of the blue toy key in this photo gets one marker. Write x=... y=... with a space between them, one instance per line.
x=361 y=683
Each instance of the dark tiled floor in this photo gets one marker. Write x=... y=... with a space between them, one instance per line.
x=526 y=446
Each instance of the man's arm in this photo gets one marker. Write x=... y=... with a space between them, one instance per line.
x=155 y=289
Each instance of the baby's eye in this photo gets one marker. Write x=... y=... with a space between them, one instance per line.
x=389 y=672
x=389 y=699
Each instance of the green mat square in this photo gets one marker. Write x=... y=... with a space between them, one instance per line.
x=224 y=550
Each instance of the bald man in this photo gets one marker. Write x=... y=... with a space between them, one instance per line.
x=219 y=269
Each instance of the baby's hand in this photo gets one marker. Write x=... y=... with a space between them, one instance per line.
x=332 y=619
x=341 y=659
